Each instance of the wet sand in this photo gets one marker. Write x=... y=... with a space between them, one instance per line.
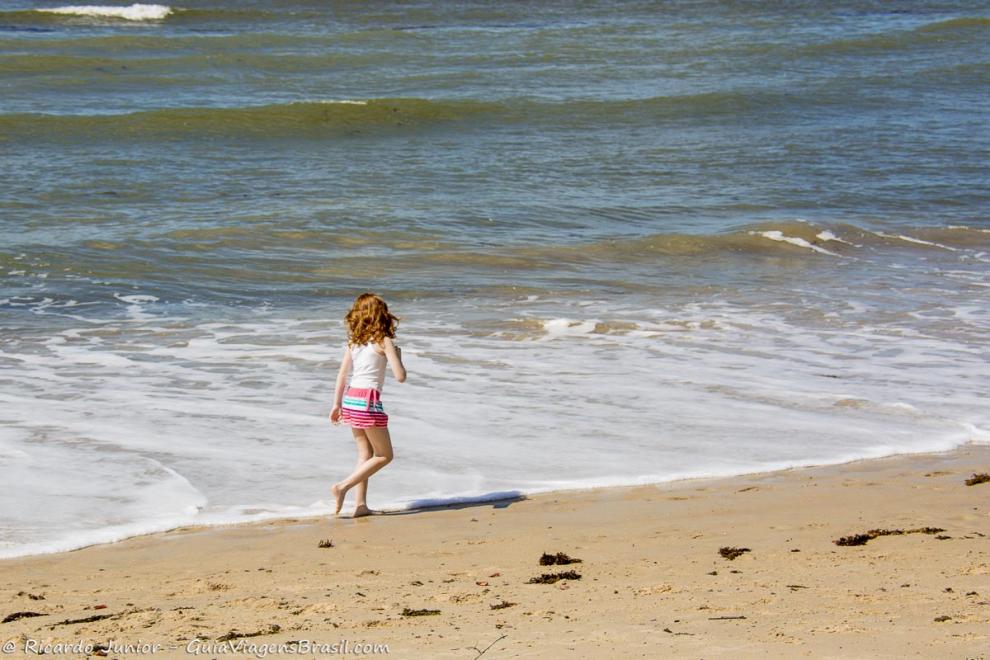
x=454 y=582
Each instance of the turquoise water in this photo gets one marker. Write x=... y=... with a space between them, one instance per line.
x=721 y=236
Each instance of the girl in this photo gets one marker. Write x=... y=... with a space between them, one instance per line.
x=370 y=331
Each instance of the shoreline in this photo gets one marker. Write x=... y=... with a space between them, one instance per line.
x=652 y=578
x=479 y=500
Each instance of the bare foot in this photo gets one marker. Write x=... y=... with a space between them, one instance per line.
x=338 y=494
x=362 y=510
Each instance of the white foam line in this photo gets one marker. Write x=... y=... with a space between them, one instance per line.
x=776 y=235
x=116 y=533
x=829 y=236
x=135 y=12
x=915 y=240
x=340 y=102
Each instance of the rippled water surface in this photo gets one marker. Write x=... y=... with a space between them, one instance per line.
x=629 y=242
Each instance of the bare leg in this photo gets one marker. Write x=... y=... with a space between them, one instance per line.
x=365 y=452
x=381 y=444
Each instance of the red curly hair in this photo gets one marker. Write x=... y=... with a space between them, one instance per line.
x=370 y=321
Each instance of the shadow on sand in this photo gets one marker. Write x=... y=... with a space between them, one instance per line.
x=496 y=500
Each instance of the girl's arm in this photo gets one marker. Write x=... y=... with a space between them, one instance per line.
x=394 y=355
x=338 y=393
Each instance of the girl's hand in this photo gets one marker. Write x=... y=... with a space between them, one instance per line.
x=335 y=415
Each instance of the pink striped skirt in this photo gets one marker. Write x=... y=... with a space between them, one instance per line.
x=362 y=408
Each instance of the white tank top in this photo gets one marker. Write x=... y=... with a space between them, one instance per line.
x=368 y=367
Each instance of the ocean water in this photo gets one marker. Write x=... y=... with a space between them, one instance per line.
x=629 y=242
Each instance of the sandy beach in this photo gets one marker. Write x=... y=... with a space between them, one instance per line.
x=454 y=582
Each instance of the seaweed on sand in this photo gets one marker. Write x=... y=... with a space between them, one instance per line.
x=88 y=619
x=731 y=553
x=559 y=558
x=550 y=578
x=854 y=539
x=20 y=615
x=424 y=612
x=862 y=539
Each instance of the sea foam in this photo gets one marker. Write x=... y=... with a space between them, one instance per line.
x=775 y=235
x=217 y=418
x=135 y=12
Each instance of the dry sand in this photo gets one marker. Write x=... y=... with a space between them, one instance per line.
x=652 y=581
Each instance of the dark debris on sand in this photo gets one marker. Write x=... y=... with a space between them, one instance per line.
x=862 y=539
x=501 y=606
x=559 y=558
x=731 y=553
x=88 y=619
x=550 y=578
x=424 y=612
x=233 y=634
x=978 y=478
x=20 y=615
x=325 y=543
